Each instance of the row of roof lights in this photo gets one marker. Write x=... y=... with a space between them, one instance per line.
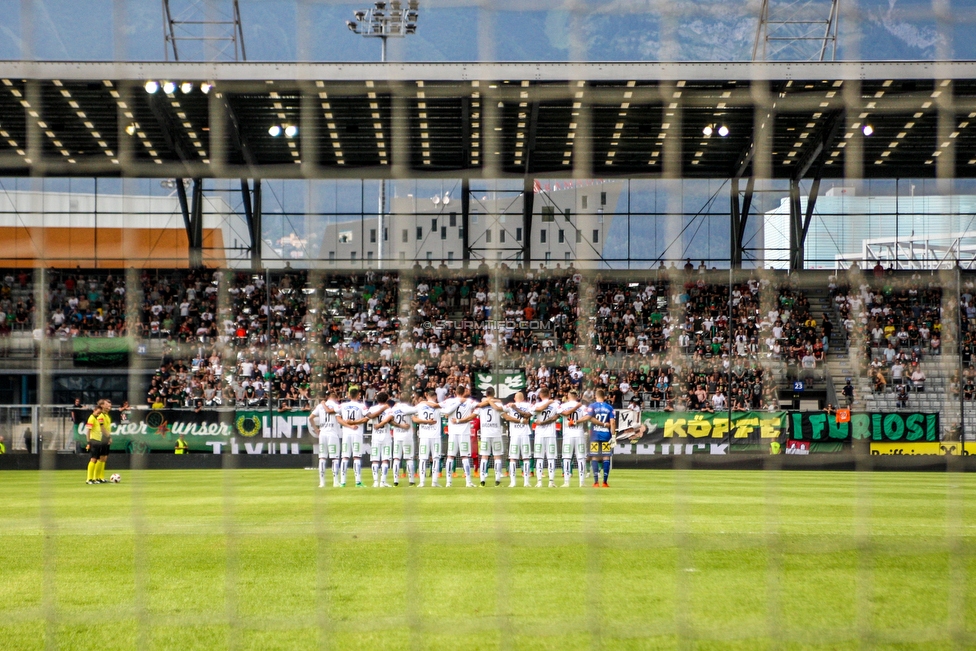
x=618 y=127
x=290 y=130
x=378 y=125
x=625 y=105
x=333 y=133
x=422 y=116
x=519 y=133
x=169 y=87
x=571 y=136
x=475 y=126
x=3 y=132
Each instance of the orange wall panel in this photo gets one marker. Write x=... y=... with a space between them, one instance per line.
x=111 y=248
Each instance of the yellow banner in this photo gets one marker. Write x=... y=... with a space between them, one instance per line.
x=916 y=449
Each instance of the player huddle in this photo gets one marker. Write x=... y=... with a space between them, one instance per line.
x=412 y=433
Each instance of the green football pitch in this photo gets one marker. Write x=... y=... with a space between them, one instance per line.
x=264 y=559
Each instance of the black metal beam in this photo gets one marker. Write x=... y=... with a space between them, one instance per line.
x=195 y=230
x=818 y=154
x=735 y=247
x=465 y=222
x=257 y=220
x=811 y=203
x=252 y=213
x=740 y=219
x=814 y=159
x=800 y=221
x=744 y=160
x=528 y=205
x=796 y=226
x=184 y=206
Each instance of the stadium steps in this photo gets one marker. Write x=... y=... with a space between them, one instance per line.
x=838 y=363
x=821 y=303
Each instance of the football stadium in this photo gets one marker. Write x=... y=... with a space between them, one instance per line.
x=448 y=325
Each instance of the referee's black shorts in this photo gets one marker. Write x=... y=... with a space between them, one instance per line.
x=97 y=449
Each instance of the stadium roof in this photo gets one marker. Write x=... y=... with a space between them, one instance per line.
x=494 y=120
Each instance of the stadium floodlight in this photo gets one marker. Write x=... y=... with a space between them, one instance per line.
x=867 y=130
x=131 y=129
x=186 y=87
x=375 y=22
x=151 y=86
x=205 y=87
x=274 y=131
x=723 y=131
x=169 y=87
x=381 y=23
x=291 y=131
x=707 y=130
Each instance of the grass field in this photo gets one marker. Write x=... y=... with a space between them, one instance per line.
x=263 y=559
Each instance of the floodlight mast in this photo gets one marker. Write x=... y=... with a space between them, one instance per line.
x=385 y=20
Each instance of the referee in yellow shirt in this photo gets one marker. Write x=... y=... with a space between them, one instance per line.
x=99 y=432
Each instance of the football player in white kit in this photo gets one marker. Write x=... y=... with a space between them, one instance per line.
x=574 y=437
x=403 y=441
x=323 y=423
x=428 y=420
x=461 y=411
x=490 y=440
x=352 y=416
x=547 y=413
x=381 y=443
x=519 y=437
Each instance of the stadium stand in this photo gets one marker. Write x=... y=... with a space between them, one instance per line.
x=236 y=338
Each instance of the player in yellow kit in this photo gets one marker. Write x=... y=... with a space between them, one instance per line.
x=99 y=434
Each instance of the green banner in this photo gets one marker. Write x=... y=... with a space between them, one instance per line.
x=753 y=426
x=241 y=432
x=891 y=427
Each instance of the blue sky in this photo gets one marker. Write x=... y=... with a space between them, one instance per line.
x=289 y=30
